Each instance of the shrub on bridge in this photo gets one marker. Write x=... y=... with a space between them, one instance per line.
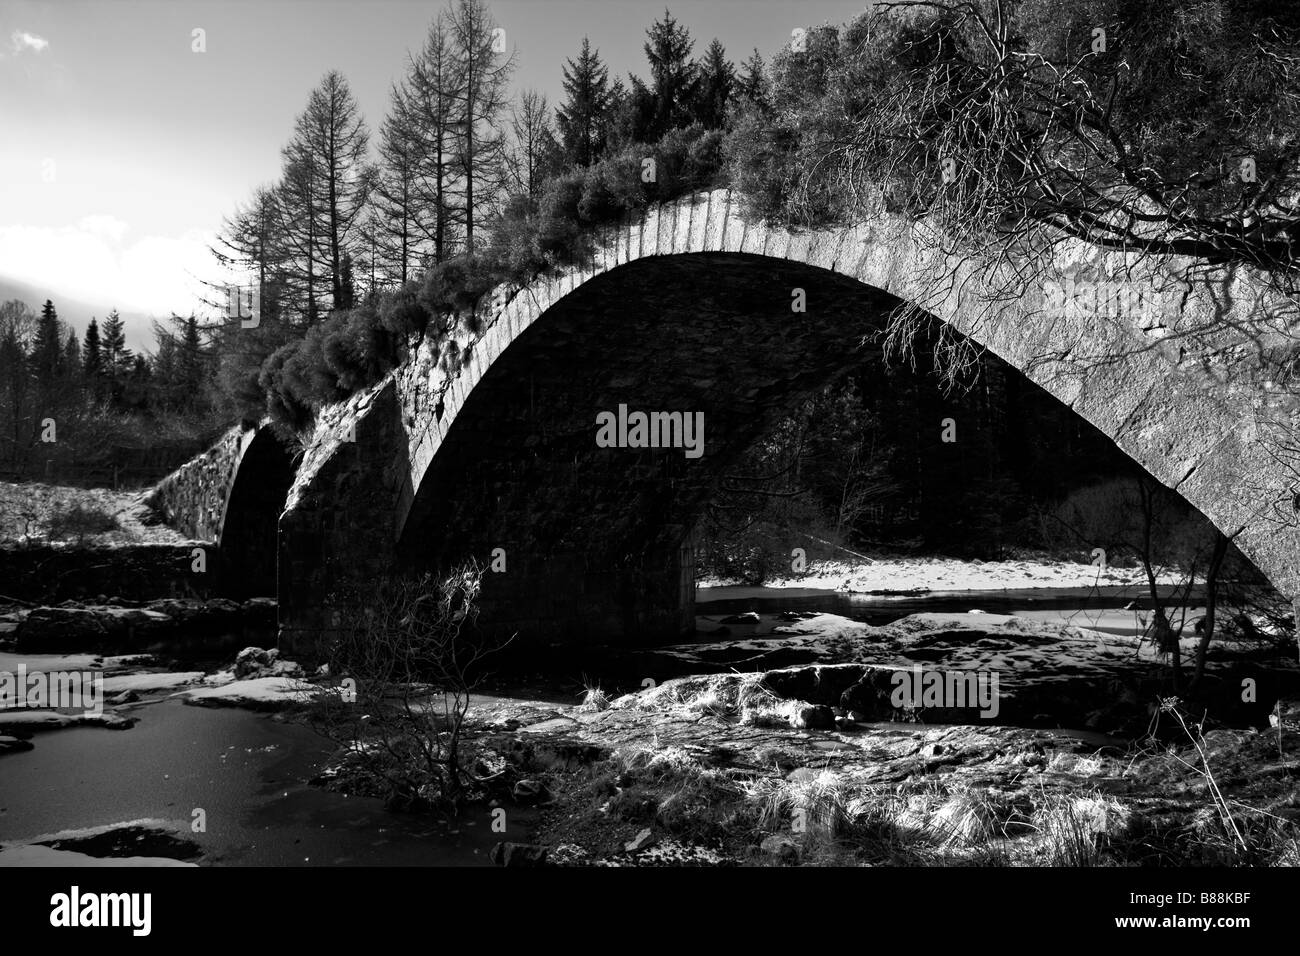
x=458 y=285
x=357 y=348
x=288 y=413
x=611 y=188
x=560 y=235
x=402 y=315
x=686 y=160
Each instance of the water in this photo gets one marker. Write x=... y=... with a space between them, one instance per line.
x=247 y=772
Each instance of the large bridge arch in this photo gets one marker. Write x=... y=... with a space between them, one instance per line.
x=467 y=457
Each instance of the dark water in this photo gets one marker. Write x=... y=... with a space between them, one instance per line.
x=246 y=771
x=1115 y=610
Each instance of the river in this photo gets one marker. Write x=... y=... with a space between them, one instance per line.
x=248 y=772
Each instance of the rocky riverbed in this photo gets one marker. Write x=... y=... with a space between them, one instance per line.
x=789 y=748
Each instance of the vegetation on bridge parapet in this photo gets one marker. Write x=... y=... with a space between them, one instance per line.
x=1011 y=131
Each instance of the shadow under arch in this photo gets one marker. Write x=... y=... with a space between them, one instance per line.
x=596 y=542
x=248 y=544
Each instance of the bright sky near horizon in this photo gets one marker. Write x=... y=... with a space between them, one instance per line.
x=122 y=149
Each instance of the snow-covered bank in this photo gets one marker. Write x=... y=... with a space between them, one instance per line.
x=903 y=574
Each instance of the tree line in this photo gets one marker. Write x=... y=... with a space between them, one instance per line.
x=79 y=407
x=359 y=243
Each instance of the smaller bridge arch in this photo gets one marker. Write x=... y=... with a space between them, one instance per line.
x=233 y=495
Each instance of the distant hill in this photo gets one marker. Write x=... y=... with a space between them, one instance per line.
x=139 y=325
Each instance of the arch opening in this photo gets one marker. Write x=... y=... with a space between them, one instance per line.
x=248 y=544
x=598 y=541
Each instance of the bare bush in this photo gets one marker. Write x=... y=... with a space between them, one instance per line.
x=405 y=661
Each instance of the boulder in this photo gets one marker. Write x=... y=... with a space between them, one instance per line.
x=641 y=841
x=814 y=717
x=528 y=791
x=251 y=661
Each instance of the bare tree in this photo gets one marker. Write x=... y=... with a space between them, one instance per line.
x=394 y=227
x=480 y=143
x=532 y=145
x=407 y=658
x=424 y=116
x=328 y=182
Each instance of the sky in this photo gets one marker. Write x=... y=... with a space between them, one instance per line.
x=123 y=146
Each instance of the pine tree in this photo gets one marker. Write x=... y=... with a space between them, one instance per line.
x=633 y=119
x=70 y=363
x=92 y=361
x=717 y=80
x=167 y=391
x=47 y=351
x=190 y=359
x=752 y=83
x=583 y=120
x=117 y=360
x=673 y=76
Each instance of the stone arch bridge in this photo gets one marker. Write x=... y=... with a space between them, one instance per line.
x=488 y=439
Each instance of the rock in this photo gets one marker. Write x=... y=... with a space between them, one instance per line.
x=255 y=693
x=802 y=774
x=72 y=628
x=750 y=617
x=639 y=842
x=933 y=750
x=250 y=662
x=1285 y=715
x=519 y=854
x=528 y=791
x=60 y=629
x=126 y=697
x=782 y=846
x=285 y=669
x=9 y=745
x=871 y=698
x=202 y=618
x=814 y=717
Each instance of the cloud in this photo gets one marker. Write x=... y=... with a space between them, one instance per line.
x=24 y=41
x=94 y=261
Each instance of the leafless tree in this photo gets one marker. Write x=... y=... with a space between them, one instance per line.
x=407 y=657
